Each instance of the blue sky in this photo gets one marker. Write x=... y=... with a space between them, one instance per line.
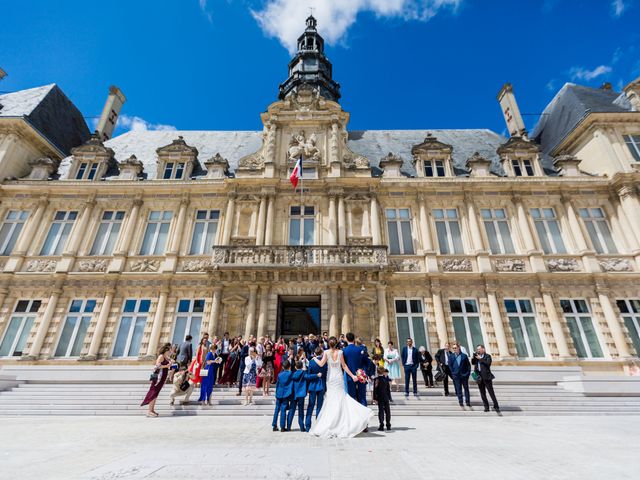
x=402 y=64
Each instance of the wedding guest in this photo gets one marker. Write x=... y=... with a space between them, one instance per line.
x=392 y=363
x=225 y=349
x=342 y=342
x=299 y=394
x=198 y=361
x=251 y=365
x=442 y=360
x=232 y=365
x=267 y=371
x=316 y=377
x=426 y=367
x=377 y=353
x=207 y=382
x=460 y=370
x=280 y=351
x=205 y=341
x=290 y=355
x=382 y=395
x=311 y=345
x=411 y=362
x=482 y=366
x=173 y=356
x=302 y=358
x=185 y=352
x=158 y=377
x=182 y=386
x=284 y=393
x=324 y=342
x=244 y=354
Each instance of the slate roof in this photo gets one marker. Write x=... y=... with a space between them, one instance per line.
x=50 y=112
x=233 y=145
x=570 y=105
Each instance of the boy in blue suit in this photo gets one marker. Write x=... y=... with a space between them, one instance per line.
x=316 y=377
x=284 y=393
x=299 y=394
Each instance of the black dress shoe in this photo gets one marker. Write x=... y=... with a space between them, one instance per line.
x=461 y=404
x=468 y=404
x=366 y=430
x=275 y=429
x=381 y=428
x=496 y=409
x=388 y=426
x=486 y=409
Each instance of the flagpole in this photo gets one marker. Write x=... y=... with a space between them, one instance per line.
x=301 y=187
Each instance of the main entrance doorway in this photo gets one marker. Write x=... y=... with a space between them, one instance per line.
x=298 y=315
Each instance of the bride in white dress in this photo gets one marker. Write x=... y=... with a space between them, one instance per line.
x=341 y=416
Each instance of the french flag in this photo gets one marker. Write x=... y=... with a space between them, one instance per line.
x=296 y=175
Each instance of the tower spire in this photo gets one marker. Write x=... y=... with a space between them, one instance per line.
x=310 y=66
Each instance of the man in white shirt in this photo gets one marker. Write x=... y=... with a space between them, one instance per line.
x=442 y=359
x=224 y=353
x=410 y=361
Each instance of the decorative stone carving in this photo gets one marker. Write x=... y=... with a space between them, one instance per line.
x=456 y=265
x=300 y=145
x=253 y=161
x=145 y=265
x=130 y=169
x=355 y=162
x=216 y=166
x=42 y=168
x=616 y=265
x=200 y=265
x=391 y=165
x=297 y=257
x=92 y=265
x=478 y=165
x=510 y=265
x=41 y=266
x=405 y=265
x=359 y=241
x=219 y=255
x=563 y=265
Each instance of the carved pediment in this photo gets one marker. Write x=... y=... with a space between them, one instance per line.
x=431 y=146
x=253 y=161
x=93 y=147
x=363 y=299
x=234 y=300
x=517 y=144
x=178 y=146
x=353 y=161
x=217 y=166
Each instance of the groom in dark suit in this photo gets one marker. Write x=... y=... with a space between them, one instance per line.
x=411 y=361
x=355 y=357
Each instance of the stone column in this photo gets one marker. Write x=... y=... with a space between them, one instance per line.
x=575 y=228
x=346 y=315
x=474 y=225
x=555 y=322
x=262 y=214
x=613 y=322
x=156 y=328
x=251 y=311
x=127 y=236
x=228 y=219
x=376 y=232
x=268 y=235
x=438 y=311
x=176 y=239
x=498 y=326
x=383 y=313
x=214 y=315
x=621 y=228
x=331 y=230
x=631 y=206
x=333 y=311
x=425 y=227
x=80 y=229
x=43 y=328
x=103 y=318
x=262 y=315
x=342 y=224
x=523 y=225
x=29 y=232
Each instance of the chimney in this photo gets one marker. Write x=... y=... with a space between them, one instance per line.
x=632 y=91
x=511 y=112
x=110 y=113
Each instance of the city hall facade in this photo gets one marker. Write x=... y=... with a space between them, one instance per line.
x=528 y=244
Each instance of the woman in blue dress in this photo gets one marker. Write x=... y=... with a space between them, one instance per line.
x=206 y=386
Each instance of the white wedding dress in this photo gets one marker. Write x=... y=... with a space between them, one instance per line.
x=341 y=416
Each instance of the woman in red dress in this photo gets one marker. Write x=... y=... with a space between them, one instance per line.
x=230 y=375
x=198 y=361
x=163 y=364
x=281 y=348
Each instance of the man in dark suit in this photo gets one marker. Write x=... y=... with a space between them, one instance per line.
x=442 y=359
x=410 y=361
x=482 y=366
x=460 y=370
x=355 y=357
x=317 y=380
x=185 y=352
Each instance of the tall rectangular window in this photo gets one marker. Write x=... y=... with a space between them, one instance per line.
x=522 y=168
x=204 y=231
x=173 y=171
x=10 y=230
x=131 y=328
x=633 y=143
x=466 y=322
x=524 y=328
x=630 y=309
x=301 y=225
x=399 y=228
x=548 y=230
x=17 y=332
x=59 y=233
x=596 y=223
x=583 y=333
x=188 y=320
x=434 y=168
x=108 y=232
x=497 y=228
x=74 y=331
x=155 y=236
x=448 y=231
x=87 y=171
x=410 y=321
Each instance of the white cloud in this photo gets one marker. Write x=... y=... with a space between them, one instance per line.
x=551 y=85
x=137 y=124
x=618 y=7
x=205 y=10
x=284 y=19
x=581 y=73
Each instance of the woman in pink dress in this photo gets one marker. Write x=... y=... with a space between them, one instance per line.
x=281 y=349
x=198 y=361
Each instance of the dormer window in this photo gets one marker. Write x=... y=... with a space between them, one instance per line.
x=522 y=167
x=434 y=168
x=91 y=161
x=633 y=143
x=87 y=171
x=432 y=158
x=173 y=171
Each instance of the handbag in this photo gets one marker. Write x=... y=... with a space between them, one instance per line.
x=204 y=372
x=475 y=376
x=439 y=376
x=154 y=376
x=184 y=386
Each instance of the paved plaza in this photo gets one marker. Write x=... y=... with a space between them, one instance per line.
x=502 y=448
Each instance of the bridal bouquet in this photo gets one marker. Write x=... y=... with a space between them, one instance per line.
x=361 y=376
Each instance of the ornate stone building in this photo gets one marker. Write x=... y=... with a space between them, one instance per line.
x=529 y=244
